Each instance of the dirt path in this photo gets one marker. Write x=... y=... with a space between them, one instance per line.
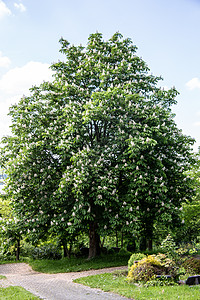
x=54 y=286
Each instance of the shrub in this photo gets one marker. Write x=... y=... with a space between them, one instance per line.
x=188 y=249
x=26 y=249
x=146 y=268
x=169 y=246
x=135 y=257
x=192 y=265
x=49 y=251
x=169 y=265
x=123 y=252
x=183 y=250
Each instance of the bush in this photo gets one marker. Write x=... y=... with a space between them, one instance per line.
x=26 y=249
x=135 y=257
x=192 y=265
x=123 y=252
x=188 y=249
x=49 y=251
x=169 y=246
x=146 y=268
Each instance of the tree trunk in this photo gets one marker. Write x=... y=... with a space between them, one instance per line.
x=67 y=252
x=146 y=235
x=102 y=242
x=17 y=249
x=150 y=244
x=143 y=244
x=122 y=240
x=94 y=241
x=116 y=238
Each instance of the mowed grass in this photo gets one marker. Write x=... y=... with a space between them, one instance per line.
x=75 y=264
x=118 y=284
x=16 y=293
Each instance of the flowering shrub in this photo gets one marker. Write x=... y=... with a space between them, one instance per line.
x=147 y=268
x=134 y=257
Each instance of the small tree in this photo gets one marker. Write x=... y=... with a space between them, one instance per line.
x=98 y=148
x=169 y=246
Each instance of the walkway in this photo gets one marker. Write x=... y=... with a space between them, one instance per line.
x=54 y=286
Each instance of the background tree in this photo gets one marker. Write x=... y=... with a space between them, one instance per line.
x=191 y=210
x=98 y=148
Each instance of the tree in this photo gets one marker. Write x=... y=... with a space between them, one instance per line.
x=9 y=227
x=191 y=209
x=98 y=148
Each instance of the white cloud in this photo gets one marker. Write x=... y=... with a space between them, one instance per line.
x=20 y=6
x=4 y=61
x=20 y=80
x=4 y=10
x=194 y=83
x=16 y=83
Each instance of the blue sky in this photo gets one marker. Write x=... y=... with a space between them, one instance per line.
x=166 y=33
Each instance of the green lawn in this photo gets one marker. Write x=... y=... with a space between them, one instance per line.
x=118 y=284
x=79 y=264
x=16 y=293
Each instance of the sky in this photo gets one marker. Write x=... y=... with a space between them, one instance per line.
x=166 y=33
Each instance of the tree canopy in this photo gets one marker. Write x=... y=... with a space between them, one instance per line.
x=97 y=148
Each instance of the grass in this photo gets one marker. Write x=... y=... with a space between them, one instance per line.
x=16 y=293
x=2 y=262
x=118 y=284
x=74 y=264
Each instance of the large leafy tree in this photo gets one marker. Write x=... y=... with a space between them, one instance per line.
x=98 y=148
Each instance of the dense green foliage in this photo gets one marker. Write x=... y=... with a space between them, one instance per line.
x=97 y=150
x=191 y=210
x=135 y=257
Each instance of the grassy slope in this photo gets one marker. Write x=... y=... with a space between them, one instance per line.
x=118 y=284
x=79 y=264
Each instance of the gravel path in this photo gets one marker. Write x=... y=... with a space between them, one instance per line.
x=54 y=286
